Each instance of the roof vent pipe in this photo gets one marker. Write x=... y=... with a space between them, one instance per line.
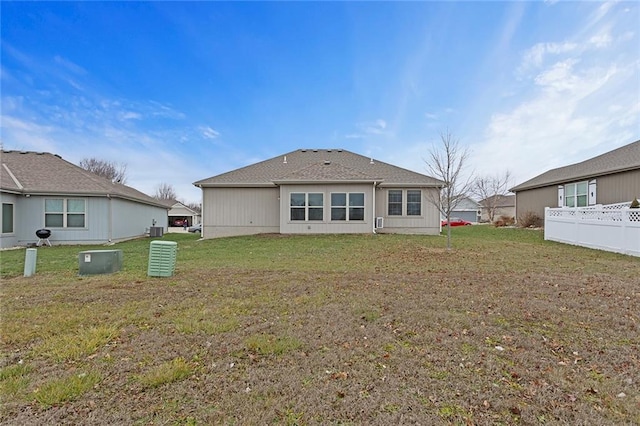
x=327 y=162
x=285 y=159
x=371 y=162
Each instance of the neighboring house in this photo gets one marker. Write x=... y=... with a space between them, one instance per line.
x=467 y=209
x=41 y=190
x=612 y=177
x=180 y=212
x=502 y=205
x=319 y=191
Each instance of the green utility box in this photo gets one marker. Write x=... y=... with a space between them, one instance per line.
x=93 y=262
x=162 y=258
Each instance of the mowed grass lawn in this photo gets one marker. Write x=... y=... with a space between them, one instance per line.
x=335 y=329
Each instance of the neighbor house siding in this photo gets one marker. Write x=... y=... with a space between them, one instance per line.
x=106 y=220
x=427 y=223
x=240 y=211
x=610 y=189
x=535 y=200
x=618 y=188
x=131 y=219
x=326 y=226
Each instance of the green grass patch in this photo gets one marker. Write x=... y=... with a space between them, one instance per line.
x=14 y=379
x=66 y=389
x=74 y=346
x=168 y=372
x=268 y=344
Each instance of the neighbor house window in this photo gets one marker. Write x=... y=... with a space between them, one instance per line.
x=7 y=218
x=64 y=213
x=414 y=202
x=307 y=206
x=347 y=206
x=395 y=202
x=576 y=194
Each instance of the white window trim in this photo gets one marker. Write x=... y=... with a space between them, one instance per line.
x=407 y=204
x=404 y=204
x=575 y=193
x=65 y=213
x=347 y=207
x=306 y=207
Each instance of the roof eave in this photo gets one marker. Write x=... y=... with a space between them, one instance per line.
x=524 y=187
x=42 y=193
x=235 y=185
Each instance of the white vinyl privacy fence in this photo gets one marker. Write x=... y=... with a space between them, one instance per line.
x=614 y=227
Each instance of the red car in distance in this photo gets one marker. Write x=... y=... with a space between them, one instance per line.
x=456 y=221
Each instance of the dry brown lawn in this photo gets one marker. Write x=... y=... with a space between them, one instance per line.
x=377 y=330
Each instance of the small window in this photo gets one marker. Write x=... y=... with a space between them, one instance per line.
x=414 y=202
x=316 y=204
x=298 y=204
x=395 y=202
x=356 y=206
x=7 y=218
x=339 y=206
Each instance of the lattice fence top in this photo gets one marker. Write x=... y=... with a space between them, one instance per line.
x=618 y=212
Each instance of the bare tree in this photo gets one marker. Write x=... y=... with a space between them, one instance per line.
x=490 y=190
x=447 y=164
x=165 y=191
x=113 y=171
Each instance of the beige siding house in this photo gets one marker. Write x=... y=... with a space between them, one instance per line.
x=502 y=205
x=41 y=190
x=613 y=177
x=317 y=191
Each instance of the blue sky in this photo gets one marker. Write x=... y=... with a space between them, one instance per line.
x=182 y=91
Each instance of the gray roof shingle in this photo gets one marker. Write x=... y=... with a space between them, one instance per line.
x=27 y=172
x=319 y=165
x=619 y=160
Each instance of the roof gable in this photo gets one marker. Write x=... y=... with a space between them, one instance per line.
x=619 y=160
x=318 y=165
x=44 y=173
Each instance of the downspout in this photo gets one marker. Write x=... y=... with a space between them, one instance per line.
x=110 y=229
x=374 y=208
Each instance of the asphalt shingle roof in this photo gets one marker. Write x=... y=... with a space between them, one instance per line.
x=318 y=165
x=27 y=172
x=619 y=160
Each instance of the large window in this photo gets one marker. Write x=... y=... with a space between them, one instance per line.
x=64 y=213
x=7 y=218
x=576 y=194
x=395 y=202
x=347 y=206
x=396 y=207
x=414 y=202
x=307 y=206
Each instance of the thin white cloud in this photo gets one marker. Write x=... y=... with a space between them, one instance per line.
x=70 y=66
x=208 y=133
x=366 y=129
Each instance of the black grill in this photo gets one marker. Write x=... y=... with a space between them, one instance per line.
x=43 y=233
